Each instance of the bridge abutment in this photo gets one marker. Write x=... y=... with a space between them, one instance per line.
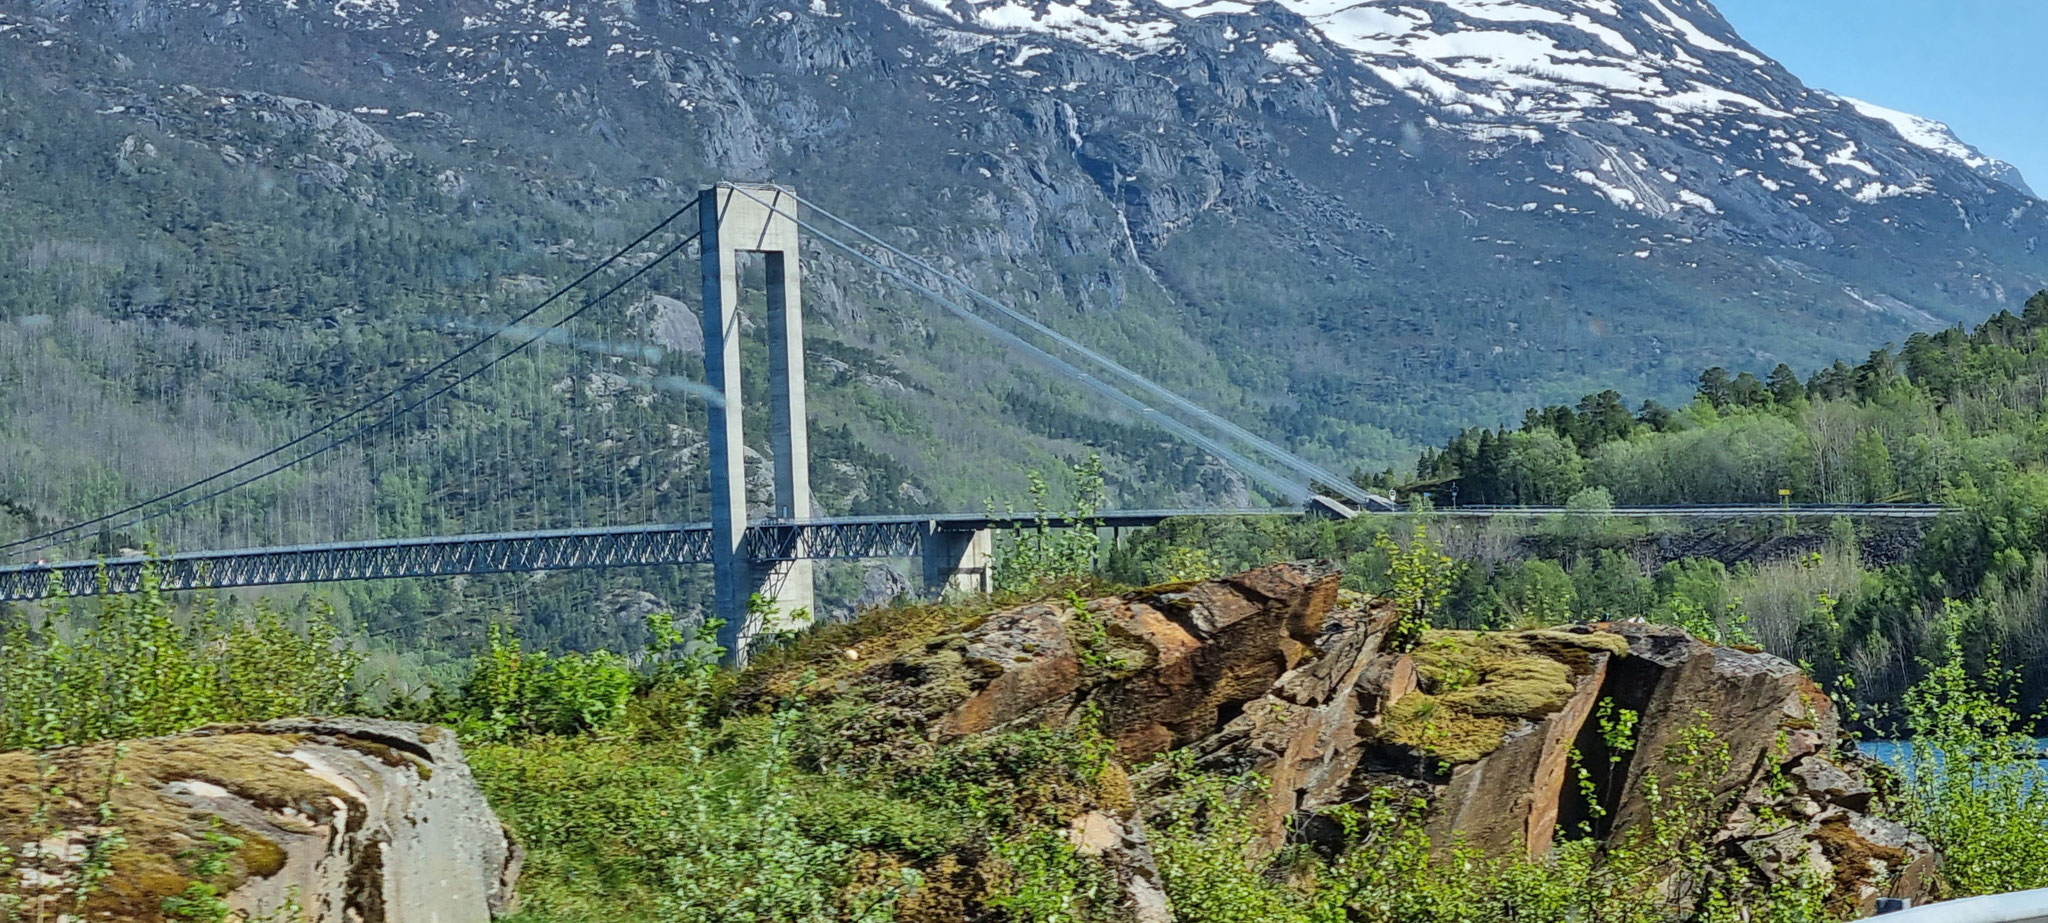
x=787 y=593
x=959 y=561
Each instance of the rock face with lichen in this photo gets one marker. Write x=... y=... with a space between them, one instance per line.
x=344 y=819
x=1160 y=668
x=1153 y=670
x=1273 y=672
x=1802 y=802
x=1490 y=728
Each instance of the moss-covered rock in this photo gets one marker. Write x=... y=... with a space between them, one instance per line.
x=1475 y=687
x=337 y=817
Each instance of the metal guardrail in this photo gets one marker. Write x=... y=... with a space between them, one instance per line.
x=1715 y=511
x=2017 y=907
x=638 y=546
x=418 y=557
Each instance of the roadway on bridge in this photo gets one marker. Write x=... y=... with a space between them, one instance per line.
x=839 y=538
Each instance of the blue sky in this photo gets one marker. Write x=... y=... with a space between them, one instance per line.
x=1971 y=63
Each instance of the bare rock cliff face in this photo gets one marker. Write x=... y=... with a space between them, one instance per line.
x=1269 y=672
x=1492 y=727
x=346 y=819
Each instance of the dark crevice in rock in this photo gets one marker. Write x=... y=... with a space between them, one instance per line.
x=1631 y=683
x=402 y=738
x=365 y=885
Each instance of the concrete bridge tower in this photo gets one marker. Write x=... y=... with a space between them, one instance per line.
x=757 y=219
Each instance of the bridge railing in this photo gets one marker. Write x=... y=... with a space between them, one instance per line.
x=687 y=543
x=510 y=552
x=1713 y=511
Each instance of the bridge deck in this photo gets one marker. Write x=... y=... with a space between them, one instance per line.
x=510 y=552
x=1715 y=511
x=688 y=543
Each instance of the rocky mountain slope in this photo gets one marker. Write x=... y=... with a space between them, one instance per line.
x=1485 y=195
x=1353 y=227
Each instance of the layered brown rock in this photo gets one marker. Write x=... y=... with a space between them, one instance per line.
x=1122 y=845
x=1155 y=669
x=1793 y=799
x=1486 y=727
x=1269 y=672
x=1307 y=735
x=1510 y=798
x=1481 y=724
x=1760 y=707
x=1160 y=667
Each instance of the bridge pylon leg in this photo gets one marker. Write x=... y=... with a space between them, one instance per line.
x=733 y=221
x=959 y=561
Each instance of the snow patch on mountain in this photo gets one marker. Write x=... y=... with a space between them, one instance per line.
x=1120 y=27
x=1939 y=138
x=1928 y=133
x=1671 y=73
x=1543 y=63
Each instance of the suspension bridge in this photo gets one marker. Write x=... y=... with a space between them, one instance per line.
x=771 y=556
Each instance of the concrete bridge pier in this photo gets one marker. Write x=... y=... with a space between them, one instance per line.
x=756 y=219
x=788 y=589
x=959 y=561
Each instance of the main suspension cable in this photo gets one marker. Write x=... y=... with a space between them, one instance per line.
x=359 y=409
x=1285 y=486
x=445 y=388
x=1305 y=467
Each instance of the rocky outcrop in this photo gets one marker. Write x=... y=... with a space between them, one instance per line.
x=1123 y=847
x=1165 y=666
x=1274 y=672
x=1483 y=725
x=1492 y=728
x=1160 y=668
x=1760 y=707
x=1765 y=744
x=1307 y=734
x=1529 y=697
x=345 y=819
x=1153 y=670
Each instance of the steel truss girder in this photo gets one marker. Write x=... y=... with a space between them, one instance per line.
x=447 y=556
x=640 y=546
x=373 y=560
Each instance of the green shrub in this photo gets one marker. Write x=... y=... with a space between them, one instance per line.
x=1043 y=553
x=677 y=829
x=1972 y=782
x=1419 y=580
x=1045 y=880
x=1208 y=856
x=513 y=691
x=133 y=665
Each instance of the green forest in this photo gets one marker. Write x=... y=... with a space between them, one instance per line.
x=1954 y=417
x=1948 y=412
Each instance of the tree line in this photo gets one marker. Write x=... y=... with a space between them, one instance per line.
x=1947 y=411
